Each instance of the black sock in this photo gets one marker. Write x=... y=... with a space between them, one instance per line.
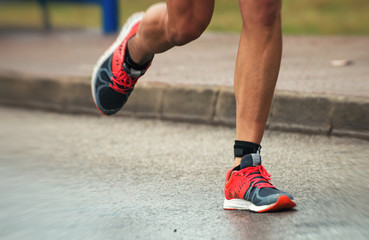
x=131 y=64
x=242 y=148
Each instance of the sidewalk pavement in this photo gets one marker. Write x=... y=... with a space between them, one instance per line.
x=194 y=82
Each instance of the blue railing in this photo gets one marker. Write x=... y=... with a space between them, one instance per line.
x=109 y=8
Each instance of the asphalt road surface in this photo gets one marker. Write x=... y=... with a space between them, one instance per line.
x=85 y=177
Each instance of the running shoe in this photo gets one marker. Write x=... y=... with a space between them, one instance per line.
x=247 y=187
x=112 y=80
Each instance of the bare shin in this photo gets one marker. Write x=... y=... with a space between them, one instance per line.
x=257 y=66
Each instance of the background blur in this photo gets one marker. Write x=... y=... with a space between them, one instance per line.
x=323 y=17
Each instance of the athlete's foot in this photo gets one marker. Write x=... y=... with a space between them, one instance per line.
x=112 y=79
x=247 y=187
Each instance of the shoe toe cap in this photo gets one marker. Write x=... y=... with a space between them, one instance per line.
x=109 y=101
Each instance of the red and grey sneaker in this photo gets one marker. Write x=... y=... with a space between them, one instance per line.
x=247 y=187
x=112 y=80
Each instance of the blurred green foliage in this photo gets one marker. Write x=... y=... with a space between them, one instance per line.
x=299 y=17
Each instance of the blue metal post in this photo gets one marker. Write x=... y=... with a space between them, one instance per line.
x=110 y=16
x=45 y=14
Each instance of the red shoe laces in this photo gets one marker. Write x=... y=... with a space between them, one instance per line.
x=122 y=83
x=258 y=176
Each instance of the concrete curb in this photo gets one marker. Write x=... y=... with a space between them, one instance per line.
x=297 y=112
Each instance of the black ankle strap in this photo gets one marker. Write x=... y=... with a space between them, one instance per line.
x=242 y=148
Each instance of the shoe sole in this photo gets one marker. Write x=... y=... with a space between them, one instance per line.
x=122 y=35
x=282 y=203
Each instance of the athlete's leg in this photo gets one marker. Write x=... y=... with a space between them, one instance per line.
x=163 y=26
x=257 y=67
x=248 y=184
x=167 y=25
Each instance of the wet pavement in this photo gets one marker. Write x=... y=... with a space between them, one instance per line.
x=84 y=177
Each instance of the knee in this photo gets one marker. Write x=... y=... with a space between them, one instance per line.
x=186 y=31
x=179 y=37
x=260 y=12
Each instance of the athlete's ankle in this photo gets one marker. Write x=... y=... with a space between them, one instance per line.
x=237 y=162
x=139 y=60
x=242 y=148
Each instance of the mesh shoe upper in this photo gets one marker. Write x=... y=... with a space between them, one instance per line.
x=113 y=81
x=250 y=181
x=107 y=98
